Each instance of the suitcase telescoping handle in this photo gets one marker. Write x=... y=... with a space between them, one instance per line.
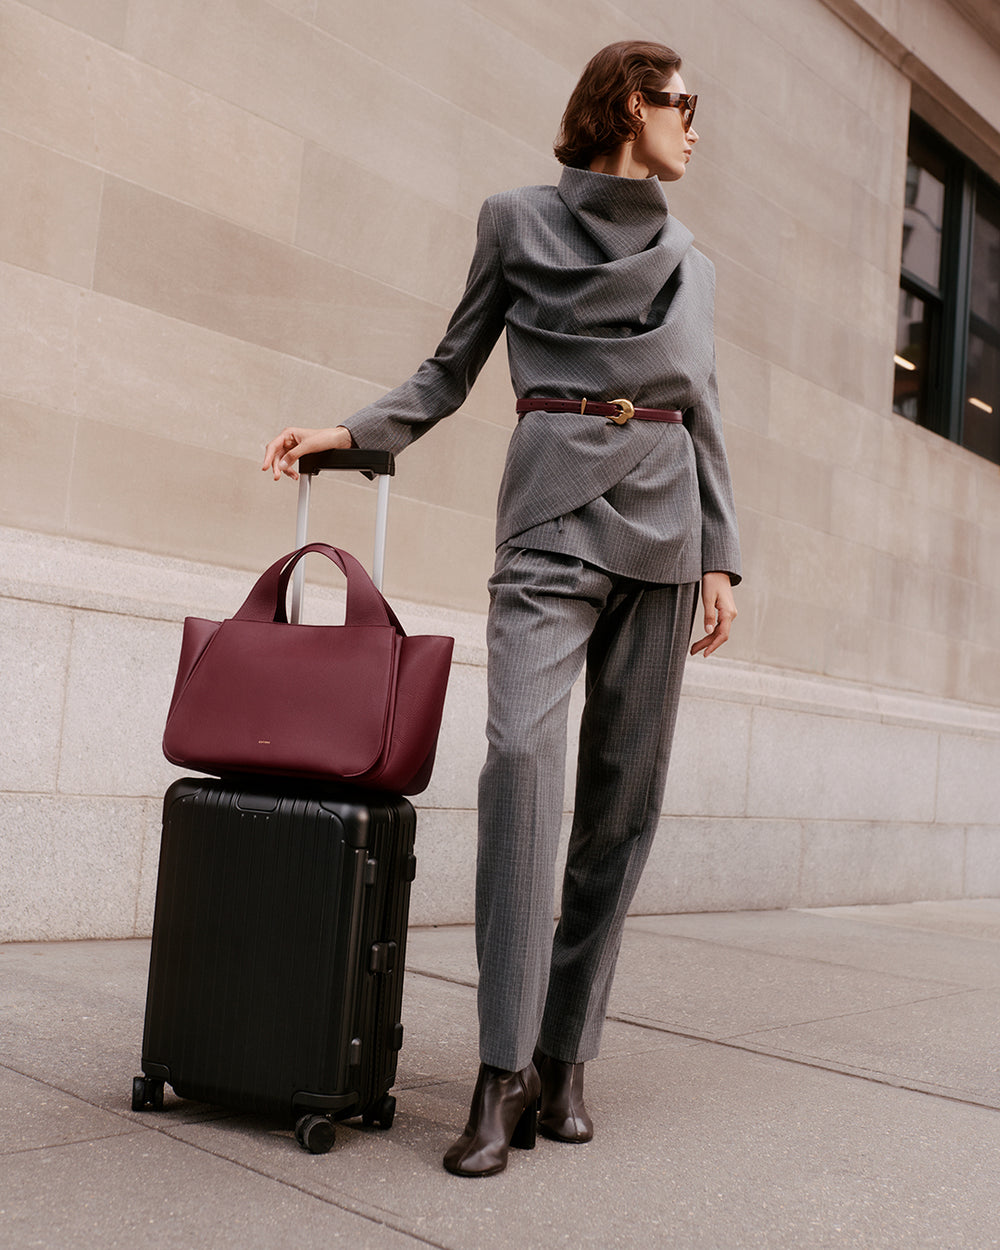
x=380 y=464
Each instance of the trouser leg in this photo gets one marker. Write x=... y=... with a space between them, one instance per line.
x=635 y=662
x=543 y=609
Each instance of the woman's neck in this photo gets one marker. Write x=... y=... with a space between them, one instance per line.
x=619 y=163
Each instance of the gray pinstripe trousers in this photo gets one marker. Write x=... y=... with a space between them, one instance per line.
x=549 y=614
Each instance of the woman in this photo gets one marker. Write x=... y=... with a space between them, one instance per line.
x=607 y=521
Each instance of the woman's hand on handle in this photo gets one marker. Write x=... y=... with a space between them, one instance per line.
x=283 y=452
x=720 y=612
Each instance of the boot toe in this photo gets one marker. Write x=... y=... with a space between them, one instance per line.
x=463 y=1159
x=563 y=1114
x=502 y=1115
x=572 y=1128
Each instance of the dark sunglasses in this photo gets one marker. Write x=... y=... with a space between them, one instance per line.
x=674 y=100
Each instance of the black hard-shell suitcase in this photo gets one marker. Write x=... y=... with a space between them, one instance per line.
x=276 y=968
x=279 y=934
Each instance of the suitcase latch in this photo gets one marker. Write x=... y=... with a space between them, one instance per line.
x=383 y=957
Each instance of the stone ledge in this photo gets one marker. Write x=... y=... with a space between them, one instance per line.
x=736 y=681
x=72 y=573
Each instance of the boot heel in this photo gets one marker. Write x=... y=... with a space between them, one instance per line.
x=523 y=1137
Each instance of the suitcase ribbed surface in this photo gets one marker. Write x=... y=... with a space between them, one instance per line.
x=278 y=943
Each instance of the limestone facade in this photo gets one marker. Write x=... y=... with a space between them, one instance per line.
x=218 y=219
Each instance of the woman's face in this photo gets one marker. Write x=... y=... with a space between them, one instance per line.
x=664 y=148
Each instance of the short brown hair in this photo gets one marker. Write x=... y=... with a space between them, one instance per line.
x=598 y=117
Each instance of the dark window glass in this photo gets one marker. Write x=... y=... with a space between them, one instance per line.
x=947 y=358
x=981 y=417
x=923 y=222
x=981 y=420
x=985 y=296
x=911 y=355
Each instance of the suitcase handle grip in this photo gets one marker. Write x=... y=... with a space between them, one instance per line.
x=373 y=464
x=379 y=463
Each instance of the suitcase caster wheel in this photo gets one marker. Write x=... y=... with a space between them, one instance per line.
x=147 y=1093
x=383 y=1113
x=315 y=1133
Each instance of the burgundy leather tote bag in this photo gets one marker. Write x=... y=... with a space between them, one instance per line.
x=359 y=702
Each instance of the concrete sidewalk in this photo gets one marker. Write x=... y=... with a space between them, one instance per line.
x=768 y=1079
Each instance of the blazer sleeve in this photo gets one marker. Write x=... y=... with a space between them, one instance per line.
x=443 y=381
x=720 y=542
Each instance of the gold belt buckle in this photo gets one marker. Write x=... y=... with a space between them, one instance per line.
x=626 y=410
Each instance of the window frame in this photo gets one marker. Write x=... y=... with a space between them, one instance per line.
x=942 y=408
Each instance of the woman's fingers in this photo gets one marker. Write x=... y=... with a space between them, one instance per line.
x=302 y=442
x=720 y=612
x=286 y=461
x=278 y=443
x=704 y=644
x=282 y=452
x=711 y=642
x=274 y=451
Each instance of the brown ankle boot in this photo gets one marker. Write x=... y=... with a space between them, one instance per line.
x=502 y=1115
x=563 y=1115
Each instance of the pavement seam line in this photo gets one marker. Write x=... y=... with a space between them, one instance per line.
x=804 y=959
x=165 y=1131
x=782 y=1056
x=440 y=976
x=906 y=928
x=62 y=1145
x=343 y=1205
x=786 y=1057
x=823 y=913
x=877 y=1076
x=868 y=1011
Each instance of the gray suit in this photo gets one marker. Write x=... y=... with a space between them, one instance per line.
x=603 y=532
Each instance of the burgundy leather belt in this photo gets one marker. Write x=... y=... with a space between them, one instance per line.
x=618 y=410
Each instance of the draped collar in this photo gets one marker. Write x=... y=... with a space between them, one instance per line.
x=623 y=215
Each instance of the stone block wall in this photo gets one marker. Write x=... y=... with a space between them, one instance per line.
x=785 y=790
x=221 y=218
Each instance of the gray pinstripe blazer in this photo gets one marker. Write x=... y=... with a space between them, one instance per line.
x=602 y=295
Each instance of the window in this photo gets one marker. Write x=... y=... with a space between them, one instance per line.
x=948 y=328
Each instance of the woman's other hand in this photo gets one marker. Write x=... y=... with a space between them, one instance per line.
x=720 y=612
x=283 y=452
